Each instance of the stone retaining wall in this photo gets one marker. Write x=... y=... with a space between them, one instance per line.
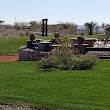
x=27 y=54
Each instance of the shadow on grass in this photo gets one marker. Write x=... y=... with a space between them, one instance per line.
x=46 y=70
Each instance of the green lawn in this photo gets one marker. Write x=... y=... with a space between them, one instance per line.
x=11 y=46
x=22 y=84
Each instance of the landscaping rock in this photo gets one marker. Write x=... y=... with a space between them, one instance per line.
x=27 y=54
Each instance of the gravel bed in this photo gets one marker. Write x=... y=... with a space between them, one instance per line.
x=14 y=107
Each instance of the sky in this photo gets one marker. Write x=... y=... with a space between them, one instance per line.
x=56 y=11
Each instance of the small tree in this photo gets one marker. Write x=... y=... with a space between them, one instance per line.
x=16 y=25
x=90 y=26
x=21 y=25
x=34 y=25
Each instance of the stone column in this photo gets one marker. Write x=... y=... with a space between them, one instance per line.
x=44 y=27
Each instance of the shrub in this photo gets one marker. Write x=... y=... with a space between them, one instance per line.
x=80 y=62
x=67 y=65
x=50 y=62
x=69 y=62
x=84 y=62
x=66 y=58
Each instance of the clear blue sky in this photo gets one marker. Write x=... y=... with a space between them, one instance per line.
x=74 y=11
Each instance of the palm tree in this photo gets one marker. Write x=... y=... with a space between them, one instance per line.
x=90 y=26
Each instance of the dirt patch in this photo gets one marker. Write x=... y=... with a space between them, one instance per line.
x=9 y=58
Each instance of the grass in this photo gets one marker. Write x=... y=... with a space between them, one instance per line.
x=11 y=46
x=22 y=84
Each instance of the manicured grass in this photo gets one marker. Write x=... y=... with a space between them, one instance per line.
x=22 y=84
x=11 y=46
